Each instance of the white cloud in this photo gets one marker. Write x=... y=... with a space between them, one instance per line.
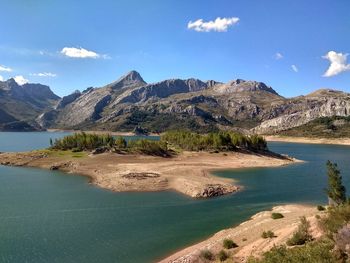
x=1 y=78
x=3 y=68
x=44 y=74
x=79 y=53
x=219 y=24
x=278 y=56
x=20 y=80
x=338 y=63
x=294 y=68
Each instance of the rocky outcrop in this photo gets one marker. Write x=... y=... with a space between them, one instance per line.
x=314 y=106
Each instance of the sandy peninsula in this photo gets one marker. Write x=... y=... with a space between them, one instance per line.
x=248 y=235
x=338 y=141
x=188 y=172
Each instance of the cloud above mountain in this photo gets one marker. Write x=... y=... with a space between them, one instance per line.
x=218 y=25
x=6 y=69
x=20 y=80
x=338 y=63
x=73 y=52
x=44 y=74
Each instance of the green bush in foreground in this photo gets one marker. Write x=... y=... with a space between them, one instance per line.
x=276 y=215
x=207 y=254
x=223 y=255
x=268 y=234
x=321 y=208
x=228 y=244
x=302 y=235
x=314 y=252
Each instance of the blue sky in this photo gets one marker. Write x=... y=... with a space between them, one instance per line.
x=256 y=40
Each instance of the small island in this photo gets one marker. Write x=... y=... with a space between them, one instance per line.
x=179 y=160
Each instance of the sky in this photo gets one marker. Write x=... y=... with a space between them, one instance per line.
x=294 y=46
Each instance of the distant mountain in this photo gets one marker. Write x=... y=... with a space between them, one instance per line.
x=20 y=105
x=193 y=104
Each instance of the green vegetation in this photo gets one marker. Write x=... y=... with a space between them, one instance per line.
x=220 y=141
x=83 y=141
x=321 y=208
x=324 y=127
x=207 y=254
x=181 y=140
x=315 y=252
x=268 y=234
x=276 y=216
x=336 y=191
x=89 y=142
x=302 y=235
x=228 y=244
x=223 y=255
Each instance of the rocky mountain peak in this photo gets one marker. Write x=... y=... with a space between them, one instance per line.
x=132 y=78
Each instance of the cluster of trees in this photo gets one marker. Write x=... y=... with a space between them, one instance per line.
x=88 y=142
x=185 y=140
x=83 y=141
x=222 y=140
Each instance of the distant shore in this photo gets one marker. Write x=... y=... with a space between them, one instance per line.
x=279 y=138
x=188 y=172
x=102 y=132
x=247 y=235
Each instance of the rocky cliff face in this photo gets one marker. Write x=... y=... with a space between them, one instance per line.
x=322 y=103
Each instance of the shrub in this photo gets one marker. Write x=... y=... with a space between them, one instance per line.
x=337 y=217
x=228 y=244
x=276 y=215
x=222 y=255
x=321 y=208
x=268 y=234
x=207 y=254
x=120 y=143
x=302 y=235
x=313 y=252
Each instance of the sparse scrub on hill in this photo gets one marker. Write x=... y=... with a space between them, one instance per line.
x=220 y=141
x=302 y=235
x=207 y=255
x=276 y=216
x=268 y=234
x=228 y=244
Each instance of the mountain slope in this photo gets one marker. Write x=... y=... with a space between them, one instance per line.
x=20 y=105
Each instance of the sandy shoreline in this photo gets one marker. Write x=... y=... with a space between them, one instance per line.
x=247 y=235
x=276 y=138
x=188 y=173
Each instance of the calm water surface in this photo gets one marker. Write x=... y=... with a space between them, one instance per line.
x=48 y=216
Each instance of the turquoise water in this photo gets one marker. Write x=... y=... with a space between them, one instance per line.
x=48 y=216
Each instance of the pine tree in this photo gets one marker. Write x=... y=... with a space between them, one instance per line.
x=336 y=191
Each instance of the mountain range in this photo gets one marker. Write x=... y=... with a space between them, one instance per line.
x=193 y=104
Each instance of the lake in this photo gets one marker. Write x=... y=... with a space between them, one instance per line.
x=49 y=216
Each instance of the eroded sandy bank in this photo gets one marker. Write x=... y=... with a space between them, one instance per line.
x=248 y=235
x=187 y=173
